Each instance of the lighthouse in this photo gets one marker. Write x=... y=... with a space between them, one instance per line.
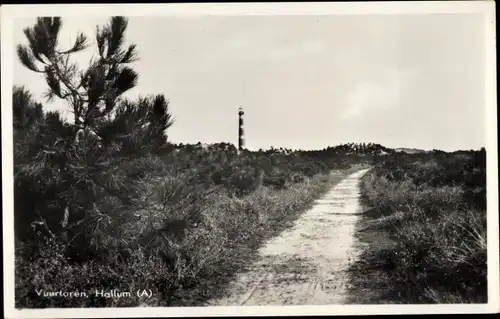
x=241 y=133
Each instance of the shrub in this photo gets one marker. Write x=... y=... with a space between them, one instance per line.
x=436 y=246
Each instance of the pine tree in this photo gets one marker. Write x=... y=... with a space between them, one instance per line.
x=70 y=171
x=91 y=93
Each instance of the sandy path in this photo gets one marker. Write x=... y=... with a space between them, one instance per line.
x=306 y=264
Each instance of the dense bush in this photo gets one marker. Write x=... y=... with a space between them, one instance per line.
x=432 y=210
x=164 y=214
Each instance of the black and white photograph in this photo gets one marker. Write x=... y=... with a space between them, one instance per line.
x=240 y=159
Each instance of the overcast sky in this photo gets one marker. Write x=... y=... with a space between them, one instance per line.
x=307 y=81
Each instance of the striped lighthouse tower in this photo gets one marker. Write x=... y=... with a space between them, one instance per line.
x=241 y=133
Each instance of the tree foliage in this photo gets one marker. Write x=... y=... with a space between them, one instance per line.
x=93 y=92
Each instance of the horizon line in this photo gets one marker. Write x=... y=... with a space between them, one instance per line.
x=321 y=149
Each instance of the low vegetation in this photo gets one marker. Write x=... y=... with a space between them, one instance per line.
x=425 y=235
x=179 y=234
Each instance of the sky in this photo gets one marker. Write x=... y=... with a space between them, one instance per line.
x=305 y=82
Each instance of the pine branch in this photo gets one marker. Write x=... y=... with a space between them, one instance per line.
x=27 y=58
x=126 y=80
x=80 y=44
x=116 y=34
x=42 y=38
x=53 y=82
x=130 y=56
x=101 y=36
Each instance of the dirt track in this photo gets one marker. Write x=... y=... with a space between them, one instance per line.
x=306 y=264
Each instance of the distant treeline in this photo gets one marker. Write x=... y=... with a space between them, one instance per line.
x=341 y=149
